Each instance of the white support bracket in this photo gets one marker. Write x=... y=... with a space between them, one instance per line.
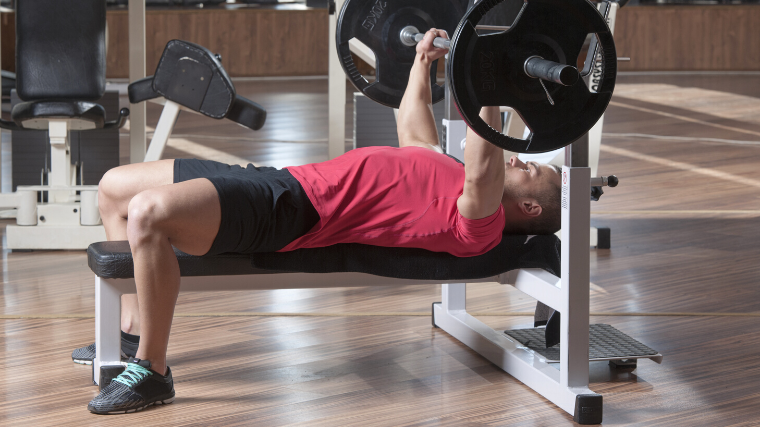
x=60 y=161
x=108 y=322
x=163 y=130
x=568 y=386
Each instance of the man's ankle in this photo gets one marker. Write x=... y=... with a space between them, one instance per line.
x=130 y=327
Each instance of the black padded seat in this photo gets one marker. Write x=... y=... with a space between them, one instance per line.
x=82 y=115
x=114 y=260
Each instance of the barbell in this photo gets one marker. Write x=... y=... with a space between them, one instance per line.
x=535 y=66
x=529 y=66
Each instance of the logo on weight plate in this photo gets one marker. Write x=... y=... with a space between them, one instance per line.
x=487 y=78
x=374 y=14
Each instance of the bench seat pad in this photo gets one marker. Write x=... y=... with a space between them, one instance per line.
x=114 y=260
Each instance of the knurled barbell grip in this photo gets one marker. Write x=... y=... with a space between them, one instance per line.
x=537 y=67
x=410 y=36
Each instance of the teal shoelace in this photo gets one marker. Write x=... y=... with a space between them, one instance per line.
x=132 y=375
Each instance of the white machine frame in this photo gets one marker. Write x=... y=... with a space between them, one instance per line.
x=67 y=220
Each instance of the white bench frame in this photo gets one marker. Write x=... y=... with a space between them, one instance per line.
x=569 y=296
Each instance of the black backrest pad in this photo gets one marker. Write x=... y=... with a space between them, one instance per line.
x=190 y=75
x=409 y=263
x=114 y=260
x=60 y=49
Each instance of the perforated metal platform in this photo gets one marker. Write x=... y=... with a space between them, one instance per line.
x=605 y=343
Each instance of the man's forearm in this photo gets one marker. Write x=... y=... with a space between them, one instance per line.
x=484 y=171
x=415 y=121
x=484 y=160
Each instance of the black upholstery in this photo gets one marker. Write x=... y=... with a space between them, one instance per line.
x=114 y=260
x=41 y=110
x=191 y=75
x=247 y=113
x=142 y=90
x=60 y=49
x=60 y=65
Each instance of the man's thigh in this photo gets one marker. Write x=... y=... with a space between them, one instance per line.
x=188 y=213
x=124 y=182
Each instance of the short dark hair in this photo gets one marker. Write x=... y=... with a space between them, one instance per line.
x=550 y=220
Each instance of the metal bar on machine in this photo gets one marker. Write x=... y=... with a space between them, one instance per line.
x=574 y=328
x=137 y=116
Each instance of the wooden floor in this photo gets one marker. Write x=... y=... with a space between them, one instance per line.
x=682 y=277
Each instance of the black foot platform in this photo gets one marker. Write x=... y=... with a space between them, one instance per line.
x=605 y=343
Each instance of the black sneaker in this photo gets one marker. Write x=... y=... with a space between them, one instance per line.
x=135 y=389
x=85 y=355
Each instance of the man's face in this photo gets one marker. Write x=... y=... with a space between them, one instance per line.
x=528 y=179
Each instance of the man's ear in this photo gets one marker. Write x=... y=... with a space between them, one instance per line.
x=530 y=208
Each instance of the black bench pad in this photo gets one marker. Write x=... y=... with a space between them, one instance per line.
x=114 y=260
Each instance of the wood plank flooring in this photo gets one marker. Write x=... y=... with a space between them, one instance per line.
x=684 y=223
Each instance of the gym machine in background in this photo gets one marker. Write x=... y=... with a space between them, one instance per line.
x=61 y=214
x=531 y=68
x=58 y=85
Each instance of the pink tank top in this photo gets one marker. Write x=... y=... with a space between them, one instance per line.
x=394 y=197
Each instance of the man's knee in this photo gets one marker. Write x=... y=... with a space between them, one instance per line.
x=111 y=186
x=146 y=216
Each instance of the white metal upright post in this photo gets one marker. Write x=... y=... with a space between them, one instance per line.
x=163 y=131
x=137 y=112
x=108 y=322
x=574 y=325
x=336 y=93
x=60 y=160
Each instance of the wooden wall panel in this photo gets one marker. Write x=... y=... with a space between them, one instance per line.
x=267 y=42
x=680 y=38
x=251 y=42
x=8 y=45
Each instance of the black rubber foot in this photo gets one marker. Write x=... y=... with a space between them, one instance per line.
x=624 y=363
x=108 y=373
x=588 y=409
x=432 y=314
x=603 y=238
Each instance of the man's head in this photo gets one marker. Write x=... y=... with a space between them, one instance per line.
x=531 y=197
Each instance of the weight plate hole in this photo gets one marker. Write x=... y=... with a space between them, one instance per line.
x=364 y=60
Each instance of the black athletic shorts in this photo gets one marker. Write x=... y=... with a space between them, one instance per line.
x=263 y=209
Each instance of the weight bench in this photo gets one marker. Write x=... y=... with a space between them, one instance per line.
x=531 y=264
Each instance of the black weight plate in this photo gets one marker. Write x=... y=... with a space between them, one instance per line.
x=488 y=71
x=377 y=24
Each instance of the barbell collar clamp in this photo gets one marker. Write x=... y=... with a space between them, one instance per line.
x=605 y=181
x=543 y=69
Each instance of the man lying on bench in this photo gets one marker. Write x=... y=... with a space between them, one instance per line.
x=413 y=196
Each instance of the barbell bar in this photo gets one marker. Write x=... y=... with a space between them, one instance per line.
x=410 y=35
x=535 y=66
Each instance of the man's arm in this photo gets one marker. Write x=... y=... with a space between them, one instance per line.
x=484 y=171
x=415 y=122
